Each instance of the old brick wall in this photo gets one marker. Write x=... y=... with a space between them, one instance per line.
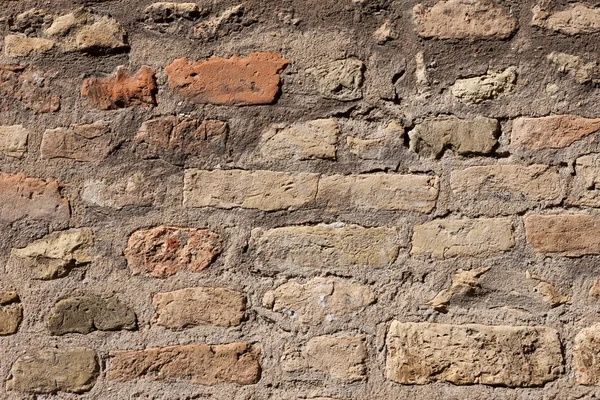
x=300 y=199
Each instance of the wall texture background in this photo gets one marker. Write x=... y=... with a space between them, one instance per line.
x=300 y=199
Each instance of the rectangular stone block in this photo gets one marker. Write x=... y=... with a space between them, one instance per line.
x=82 y=142
x=513 y=356
x=551 y=132
x=262 y=190
x=568 y=235
x=446 y=238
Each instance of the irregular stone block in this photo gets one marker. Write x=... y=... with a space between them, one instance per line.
x=552 y=132
x=340 y=80
x=82 y=142
x=485 y=87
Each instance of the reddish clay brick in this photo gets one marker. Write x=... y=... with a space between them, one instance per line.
x=163 y=251
x=27 y=86
x=122 y=89
x=201 y=363
x=234 y=81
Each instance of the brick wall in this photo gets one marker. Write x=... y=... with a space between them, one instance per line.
x=300 y=199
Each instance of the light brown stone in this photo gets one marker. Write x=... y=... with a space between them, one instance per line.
x=578 y=68
x=513 y=356
x=463 y=282
x=82 y=142
x=199 y=363
x=568 y=235
x=27 y=87
x=11 y=312
x=234 y=81
x=23 y=46
x=503 y=189
x=584 y=190
x=32 y=198
x=72 y=370
x=340 y=80
x=464 y=136
x=323 y=246
x=315 y=139
x=379 y=191
x=56 y=254
x=574 y=19
x=464 y=19
x=595 y=289
x=341 y=358
x=586 y=364
x=199 y=306
x=376 y=144
x=485 y=87
x=446 y=238
x=262 y=190
x=553 y=132
x=318 y=301
x=166 y=11
x=13 y=140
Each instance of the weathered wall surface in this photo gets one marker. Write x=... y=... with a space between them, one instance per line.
x=300 y=199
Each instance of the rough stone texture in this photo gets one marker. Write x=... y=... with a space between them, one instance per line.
x=376 y=144
x=573 y=19
x=581 y=70
x=262 y=190
x=121 y=90
x=341 y=358
x=464 y=136
x=446 y=238
x=339 y=80
x=463 y=282
x=464 y=19
x=569 y=235
x=164 y=250
x=201 y=364
x=583 y=190
x=514 y=356
x=72 y=370
x=552 y=132
x=485 y=87
x=196 y=306
x=56 y=254
x=318 y=301
x=84 y=314
x=28 y=87
x=11 y=312
x=321 y=246
x=234 y=81
x=82 y=142
x=22 y=46
x=303 y=141
x=169 y=11
x=585 y=356
x=379 y=191
x=503 y=189
x=13 y=140
x=23 y=197
x=174 y=139
x=595 y=289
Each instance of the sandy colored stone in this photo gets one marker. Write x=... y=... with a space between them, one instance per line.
x=323 y=246
x=340 y=80
x=446 y=238
x=504 y=189
x=234 y=81
x=174 y=138
x=29 y=21
x=376 y=144
x=23 y=197
x=586 y=364
x=595 y=289
x=341 y=358
x=167 y=11
x=513 y=356
x=104 y=34
x=166 y=250
x=66 y=23
x=214 y=26
x=121 y=89
x=199 y=306
x=13 y=140
x=319 y=301
x=27 y=87
x=570 y=235
x=584 y=190
x=378 y=191
x=84 y=314
x=72 y=370
x=262 y=190
x=11 y=312
x=54 y=255
x=434 y=135
x=464 y=19
x=199 y=363
x=8 y=297
x=81 y=142
x=552 y=132
x=315 y=139
x=463 y=282
x=574 y=19
x=23 y=46
x=485 y=87
x=575 y=66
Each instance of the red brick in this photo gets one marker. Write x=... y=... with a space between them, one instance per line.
x=163 y=251
x=121 y=90
x=200 y=363
x=234 y=81
x=28 y=87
